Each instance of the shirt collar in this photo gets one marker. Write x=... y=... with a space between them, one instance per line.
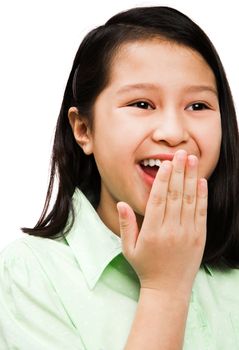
x=92 y=242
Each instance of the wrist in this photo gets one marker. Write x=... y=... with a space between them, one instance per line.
x=181 y=295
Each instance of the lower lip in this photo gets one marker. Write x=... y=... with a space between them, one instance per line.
x=146 y=177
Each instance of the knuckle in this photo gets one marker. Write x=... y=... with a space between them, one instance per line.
x=162 y=177
x=149 y=239
x=173 y=239
x=157 y=199
x=124 y=225
x=179 y=170
x=174 y=194
x=202 y=211
x=188 y=198
x=199 y=241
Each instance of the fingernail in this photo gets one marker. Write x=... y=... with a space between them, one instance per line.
x=181 y=154
x=121 y=209
x=192 y=160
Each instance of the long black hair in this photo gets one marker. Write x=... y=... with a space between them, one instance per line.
x=89 y=76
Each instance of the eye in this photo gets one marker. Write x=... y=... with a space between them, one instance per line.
x=141 y=104
x=198 y=106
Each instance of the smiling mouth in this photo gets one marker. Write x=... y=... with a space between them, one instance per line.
x=151 y=171
x=150 y=166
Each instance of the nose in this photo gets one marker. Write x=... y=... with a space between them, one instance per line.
x=170 y=127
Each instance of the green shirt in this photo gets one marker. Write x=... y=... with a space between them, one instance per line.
x=80 y=293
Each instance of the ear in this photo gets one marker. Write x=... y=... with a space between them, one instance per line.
x=81 y=130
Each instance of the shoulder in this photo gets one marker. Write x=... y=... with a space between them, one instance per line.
x=25 y=271
x=15 y=251
x=27 y=257
x=32 y=312
x=24 y=248
x=17 y=260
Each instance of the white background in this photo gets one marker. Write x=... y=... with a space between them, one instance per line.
x=38 y=42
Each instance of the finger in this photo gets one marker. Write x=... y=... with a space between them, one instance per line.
x=175 y=190
x=201 y=206
x=128 y=228
x=190 y=191
x=155 y=209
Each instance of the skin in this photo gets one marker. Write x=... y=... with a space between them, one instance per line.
x=162 y=224
x=125 y=133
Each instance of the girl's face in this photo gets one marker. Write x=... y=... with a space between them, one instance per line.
x=161 y=97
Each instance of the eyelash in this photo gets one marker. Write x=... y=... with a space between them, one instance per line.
x=136 y=104
x=200 y=105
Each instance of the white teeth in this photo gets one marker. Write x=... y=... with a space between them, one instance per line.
x=157 y=162
x=151 y=162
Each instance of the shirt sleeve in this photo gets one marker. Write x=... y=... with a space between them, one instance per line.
x=31 y=314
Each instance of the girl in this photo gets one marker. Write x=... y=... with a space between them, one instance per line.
x=141 y=247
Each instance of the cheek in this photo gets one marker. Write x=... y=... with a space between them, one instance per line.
x=209 y=143
x=112 y=152
x=118 y=139
x=208 y=133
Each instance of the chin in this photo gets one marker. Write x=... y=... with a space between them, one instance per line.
x=140 y=209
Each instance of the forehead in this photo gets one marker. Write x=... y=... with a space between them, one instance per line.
x=159 y=61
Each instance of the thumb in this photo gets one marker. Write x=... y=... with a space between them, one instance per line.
x=128 y=228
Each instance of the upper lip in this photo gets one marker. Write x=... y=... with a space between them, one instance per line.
x=160 y=156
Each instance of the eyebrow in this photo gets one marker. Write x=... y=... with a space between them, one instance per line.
x=199 y=88
x=148 y=86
